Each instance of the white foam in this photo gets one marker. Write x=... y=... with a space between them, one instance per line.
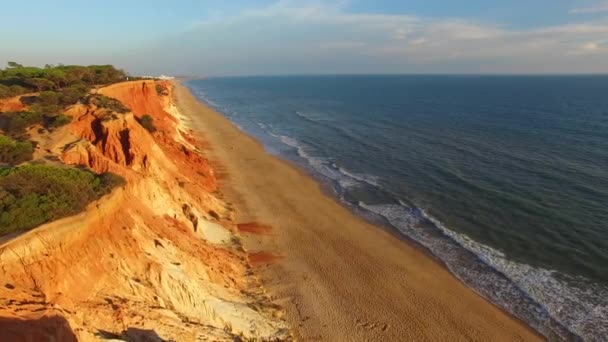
x=263 y=126
x=204 y=97
x=577 y=304
x=316 y=162
x=324 y=166
x=369 y=179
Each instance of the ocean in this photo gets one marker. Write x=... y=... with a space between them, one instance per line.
x=502 y=178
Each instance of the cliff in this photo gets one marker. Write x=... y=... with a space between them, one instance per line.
x=159 y=258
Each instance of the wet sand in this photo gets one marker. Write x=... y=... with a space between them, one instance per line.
x=339 y=277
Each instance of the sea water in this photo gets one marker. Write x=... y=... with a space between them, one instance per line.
x=502 y=178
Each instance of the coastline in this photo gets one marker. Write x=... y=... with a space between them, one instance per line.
x=328 y=267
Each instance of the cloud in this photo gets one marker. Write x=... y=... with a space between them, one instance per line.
x=302 y=37
x=597 y=8
x=591 y=48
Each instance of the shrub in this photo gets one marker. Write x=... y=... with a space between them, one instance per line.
x=50 y=110
x=109 y=181
x=73 y=94
x=161 y=90
x=29 y=100
x=15 y=123
x=48 y=98
x=148 y=123
x=58 y=121
x=51 y=101
x=106 y=102
x=14 y=152
x=4 y=91
x=31 y=195
x=40 y=84
x=18 y=90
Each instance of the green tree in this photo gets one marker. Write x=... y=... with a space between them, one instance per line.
x=73 y=94
x=56 y=76
x=48 y=98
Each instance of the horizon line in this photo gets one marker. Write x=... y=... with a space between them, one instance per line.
x=602 y=74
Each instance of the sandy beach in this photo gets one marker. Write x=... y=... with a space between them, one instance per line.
x=337 y=276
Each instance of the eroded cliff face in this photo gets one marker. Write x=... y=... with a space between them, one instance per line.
x=158 y=258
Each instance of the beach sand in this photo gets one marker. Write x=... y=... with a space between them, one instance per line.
x=338 y=277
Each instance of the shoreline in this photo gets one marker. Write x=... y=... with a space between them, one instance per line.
x=332 y=265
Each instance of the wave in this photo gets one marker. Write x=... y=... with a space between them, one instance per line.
x=203 y=96
x=262 y=126
x=336 y=128
x=319 y=164
x=369 y=179
x=326 y=167
x=307 y=117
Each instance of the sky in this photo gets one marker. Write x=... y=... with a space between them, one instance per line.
x=278 y=37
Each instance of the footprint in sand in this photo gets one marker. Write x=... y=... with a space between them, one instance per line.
x=372 y=325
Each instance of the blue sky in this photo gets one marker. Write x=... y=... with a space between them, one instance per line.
x=317 y=37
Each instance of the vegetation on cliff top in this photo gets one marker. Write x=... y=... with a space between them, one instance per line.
x=31 y=195
x=57 y=86
x=106 y=102
x=17 y=79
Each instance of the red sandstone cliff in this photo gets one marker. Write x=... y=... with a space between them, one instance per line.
x=159 y=257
